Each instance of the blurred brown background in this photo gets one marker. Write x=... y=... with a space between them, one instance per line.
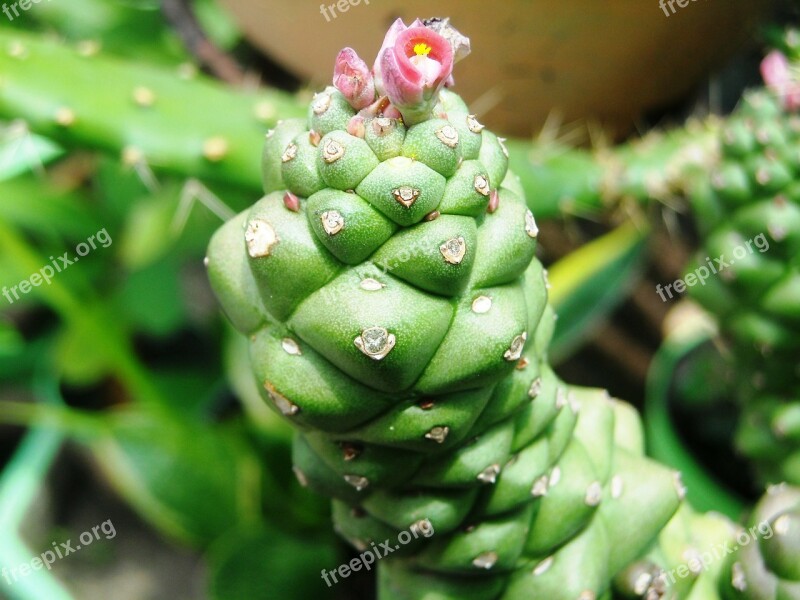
x=607 y=61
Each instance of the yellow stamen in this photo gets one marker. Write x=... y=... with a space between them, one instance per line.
x=422 y=49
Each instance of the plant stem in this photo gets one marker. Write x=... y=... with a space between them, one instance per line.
x=63 y=418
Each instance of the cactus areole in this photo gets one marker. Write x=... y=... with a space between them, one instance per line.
x=397 y=317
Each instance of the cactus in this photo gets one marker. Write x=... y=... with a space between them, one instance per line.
x=686 y=563
x=145 y=115
x=398 y=318
x=748 y=213
x=707 y=557
x=766 y=559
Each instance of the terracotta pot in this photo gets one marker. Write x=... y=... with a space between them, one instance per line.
x=603 y=60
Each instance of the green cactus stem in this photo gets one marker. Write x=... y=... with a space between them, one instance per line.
x=398 y=319
x=576 y=182
x=178 y=122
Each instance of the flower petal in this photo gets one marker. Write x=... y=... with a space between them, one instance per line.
x=388 y=42
x=775 y=70
x=782 y=79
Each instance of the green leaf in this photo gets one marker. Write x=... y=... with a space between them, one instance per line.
x=118 y=186
x=146 y=237
x=590 y=283
x=21 y=483
x=40 y=206
x=192 y=481
x=664 y=442
x=21 y=152
x=191 y=390
x=11 y=342
x=17 y=356
x=263 y=563
x=151 y=301
x=81 y=357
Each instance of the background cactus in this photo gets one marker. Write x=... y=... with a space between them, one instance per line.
x=398 y=318
x=127 y=116
x=766 y=560
x=748 y=215
x=708 y=557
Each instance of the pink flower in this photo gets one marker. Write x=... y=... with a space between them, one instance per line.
x=777 y=73
x=389 y=40
x=414 y=65
x=352 y=78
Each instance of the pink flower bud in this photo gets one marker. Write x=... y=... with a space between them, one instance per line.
x=352 y=78
x=777 y=73
x=291 y=202
x=414 y=69
x=356 y=126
